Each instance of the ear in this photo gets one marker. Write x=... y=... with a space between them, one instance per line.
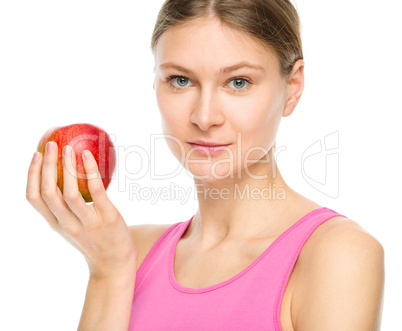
x=295 y=86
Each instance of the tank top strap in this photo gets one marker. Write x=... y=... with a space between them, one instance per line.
x=165 y=240
x=287 y=250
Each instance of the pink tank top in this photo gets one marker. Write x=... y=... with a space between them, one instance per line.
x=250 y=300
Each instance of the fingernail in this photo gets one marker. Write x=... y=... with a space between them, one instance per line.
x=67 y=150
x=49 y=147
x=87 y=155
x=35 y=157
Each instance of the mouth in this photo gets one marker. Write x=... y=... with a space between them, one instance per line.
x=207 y=143
x=208 y=149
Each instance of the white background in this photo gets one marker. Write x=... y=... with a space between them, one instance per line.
x=64 y=62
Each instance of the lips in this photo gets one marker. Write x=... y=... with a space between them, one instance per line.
x=207 y=143
x=207 y=147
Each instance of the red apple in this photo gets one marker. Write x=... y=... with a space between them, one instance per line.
x=81 y=137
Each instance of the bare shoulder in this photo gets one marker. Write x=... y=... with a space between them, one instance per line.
x=145 y=236
x=340 y=280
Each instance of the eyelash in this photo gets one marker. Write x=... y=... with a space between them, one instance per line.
x=236 y=91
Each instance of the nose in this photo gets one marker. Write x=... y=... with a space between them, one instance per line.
x=207 y=112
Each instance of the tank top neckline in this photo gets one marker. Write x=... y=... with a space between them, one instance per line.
x=182 y=229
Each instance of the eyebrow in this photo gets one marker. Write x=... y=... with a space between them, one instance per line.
x=222 y=71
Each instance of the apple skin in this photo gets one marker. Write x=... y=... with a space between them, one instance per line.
x=80 y=137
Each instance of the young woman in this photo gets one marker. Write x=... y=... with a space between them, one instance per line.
x=256 y=255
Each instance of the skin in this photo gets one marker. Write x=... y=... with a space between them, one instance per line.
x=343 y=294
x=207 y=108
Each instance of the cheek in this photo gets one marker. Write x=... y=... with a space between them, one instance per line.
x=258 y=127
x=166 y=108
x=173 y=129
x=172 y=110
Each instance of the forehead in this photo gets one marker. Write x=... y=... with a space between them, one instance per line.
x=208 y=45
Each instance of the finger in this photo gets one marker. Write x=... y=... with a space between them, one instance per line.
x=33 y=192
x=95 y=184
x=71 y=194
x=49 y=184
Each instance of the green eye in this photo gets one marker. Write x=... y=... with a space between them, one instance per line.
x=241 y=81
x=240 y=85
x=182 y=80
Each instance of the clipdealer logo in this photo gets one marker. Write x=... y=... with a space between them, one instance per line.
x=183 y=194
x=319 y=165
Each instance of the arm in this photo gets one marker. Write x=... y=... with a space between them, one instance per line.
x=108 y=304
x=97 y=230
x=342 y=283
x=103 y=295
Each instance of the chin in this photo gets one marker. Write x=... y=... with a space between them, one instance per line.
x=208 y=173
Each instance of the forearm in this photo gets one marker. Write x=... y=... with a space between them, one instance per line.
x=108 y=304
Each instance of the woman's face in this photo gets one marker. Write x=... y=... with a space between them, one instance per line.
x=202 y=101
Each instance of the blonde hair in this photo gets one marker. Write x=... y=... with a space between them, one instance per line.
x=274 y=23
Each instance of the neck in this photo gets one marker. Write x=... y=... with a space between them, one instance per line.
x=238 y=208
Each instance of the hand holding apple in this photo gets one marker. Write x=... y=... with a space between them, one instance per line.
x=97 y=230
x=82 y=137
